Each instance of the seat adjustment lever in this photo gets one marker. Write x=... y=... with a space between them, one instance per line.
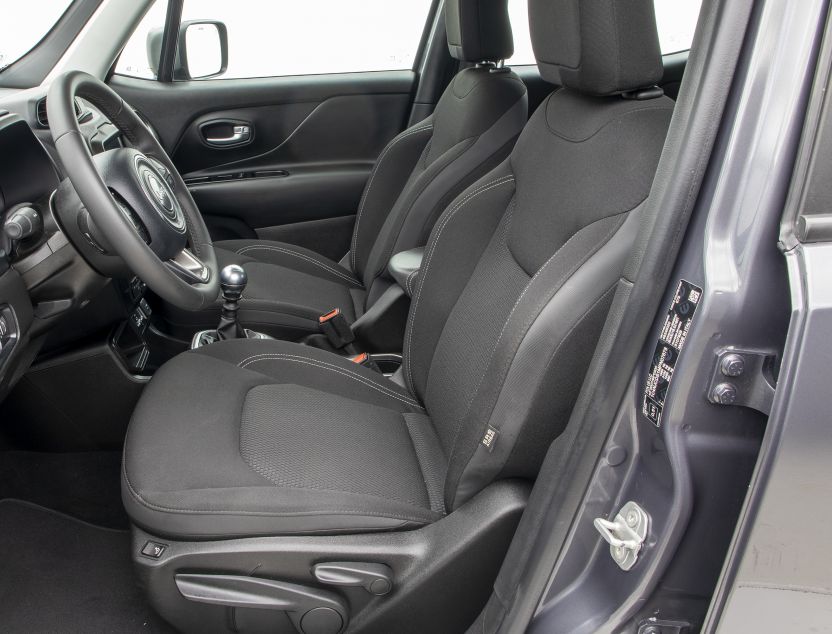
x=376 y=579
x=311 y=610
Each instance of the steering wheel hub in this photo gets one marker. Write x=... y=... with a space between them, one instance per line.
x=159 y=194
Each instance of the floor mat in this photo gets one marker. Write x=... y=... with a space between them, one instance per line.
x=63 y=575
x=83 y=485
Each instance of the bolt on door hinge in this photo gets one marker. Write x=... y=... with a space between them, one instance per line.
x=744 y=378
x=625 y=534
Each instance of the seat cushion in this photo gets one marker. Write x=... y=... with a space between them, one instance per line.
x=252 y=437
x=289 y=287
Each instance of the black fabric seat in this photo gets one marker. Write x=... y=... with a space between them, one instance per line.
x=472 y=129
x=281 y=438
x=254 y=438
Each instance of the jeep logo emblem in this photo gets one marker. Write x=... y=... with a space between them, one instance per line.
x=159 y=192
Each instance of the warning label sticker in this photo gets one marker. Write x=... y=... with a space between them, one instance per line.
x=670 y=344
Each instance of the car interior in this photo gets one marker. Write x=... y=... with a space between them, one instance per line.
x=287 y=354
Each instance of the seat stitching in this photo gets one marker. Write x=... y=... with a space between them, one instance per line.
x=407 y=282
x=444 y=221
x=439 y=169
x=192 y=511
x=370 y=184
x=557 y=284
x=555 y=352
x=344 y=276
x=609 y=123
x=339 y=371
x=442 y=224
x=420 y=460
x=327 y=366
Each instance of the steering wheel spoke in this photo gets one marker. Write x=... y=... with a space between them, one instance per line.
x=189 y=267
x=134 y=196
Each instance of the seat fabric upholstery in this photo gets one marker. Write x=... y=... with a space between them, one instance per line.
x=518 y=277
x=472 y=129
x=289 y=288
x=273 y=438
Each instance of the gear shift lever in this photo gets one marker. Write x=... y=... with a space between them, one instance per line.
x=233 y=281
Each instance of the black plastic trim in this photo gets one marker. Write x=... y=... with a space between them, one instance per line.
x=170 y=40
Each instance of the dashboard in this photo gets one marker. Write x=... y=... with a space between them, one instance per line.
x=42 y=274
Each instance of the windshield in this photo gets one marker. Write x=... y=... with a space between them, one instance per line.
x=24 y=24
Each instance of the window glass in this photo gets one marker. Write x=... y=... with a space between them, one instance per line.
x=25 y=23
x=298 y=37
x=135 y=59
x=676 y=21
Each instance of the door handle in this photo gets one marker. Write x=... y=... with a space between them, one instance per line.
x=240 y=134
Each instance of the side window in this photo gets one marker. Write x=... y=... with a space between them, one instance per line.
x=676 y=20
x=297 y=37
x=135 y=60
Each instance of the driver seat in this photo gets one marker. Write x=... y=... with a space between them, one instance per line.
x=284 y=456
x=473 y=128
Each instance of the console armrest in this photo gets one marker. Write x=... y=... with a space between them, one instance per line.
x=404 y=268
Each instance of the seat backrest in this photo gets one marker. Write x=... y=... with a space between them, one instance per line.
x=521 y=268
x=473 y=128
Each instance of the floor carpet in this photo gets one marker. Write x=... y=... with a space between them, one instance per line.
x=84 y=485
x=60 y=574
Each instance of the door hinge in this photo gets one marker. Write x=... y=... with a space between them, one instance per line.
x=744 y=378
x=625 y=534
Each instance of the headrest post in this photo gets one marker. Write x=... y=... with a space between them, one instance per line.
x=478 y=30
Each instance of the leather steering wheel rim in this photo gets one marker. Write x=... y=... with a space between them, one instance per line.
x=77 y=162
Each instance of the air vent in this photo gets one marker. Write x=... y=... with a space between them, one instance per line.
x=43 y=119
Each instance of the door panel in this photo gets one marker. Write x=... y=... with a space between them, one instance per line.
x=300 y=175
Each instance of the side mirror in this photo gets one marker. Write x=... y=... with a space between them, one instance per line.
x=201 y=52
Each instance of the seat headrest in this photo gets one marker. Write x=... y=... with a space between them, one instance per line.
x=478 y=30
x=598 y=47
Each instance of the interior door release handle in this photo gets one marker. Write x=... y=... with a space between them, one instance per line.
x=240 y=134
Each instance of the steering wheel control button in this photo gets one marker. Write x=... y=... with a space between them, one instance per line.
x=154 y=550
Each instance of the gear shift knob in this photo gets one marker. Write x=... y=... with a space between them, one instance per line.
x=233 y=280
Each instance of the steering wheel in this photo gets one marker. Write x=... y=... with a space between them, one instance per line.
x=135 y=196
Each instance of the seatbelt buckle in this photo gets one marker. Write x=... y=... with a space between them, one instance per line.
x=335 y=327
x=366 y=360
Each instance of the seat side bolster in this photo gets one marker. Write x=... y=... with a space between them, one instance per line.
x=384 y=186
x=288 y=256
x=414 y=215
x=543 y=359
x=457 y=242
